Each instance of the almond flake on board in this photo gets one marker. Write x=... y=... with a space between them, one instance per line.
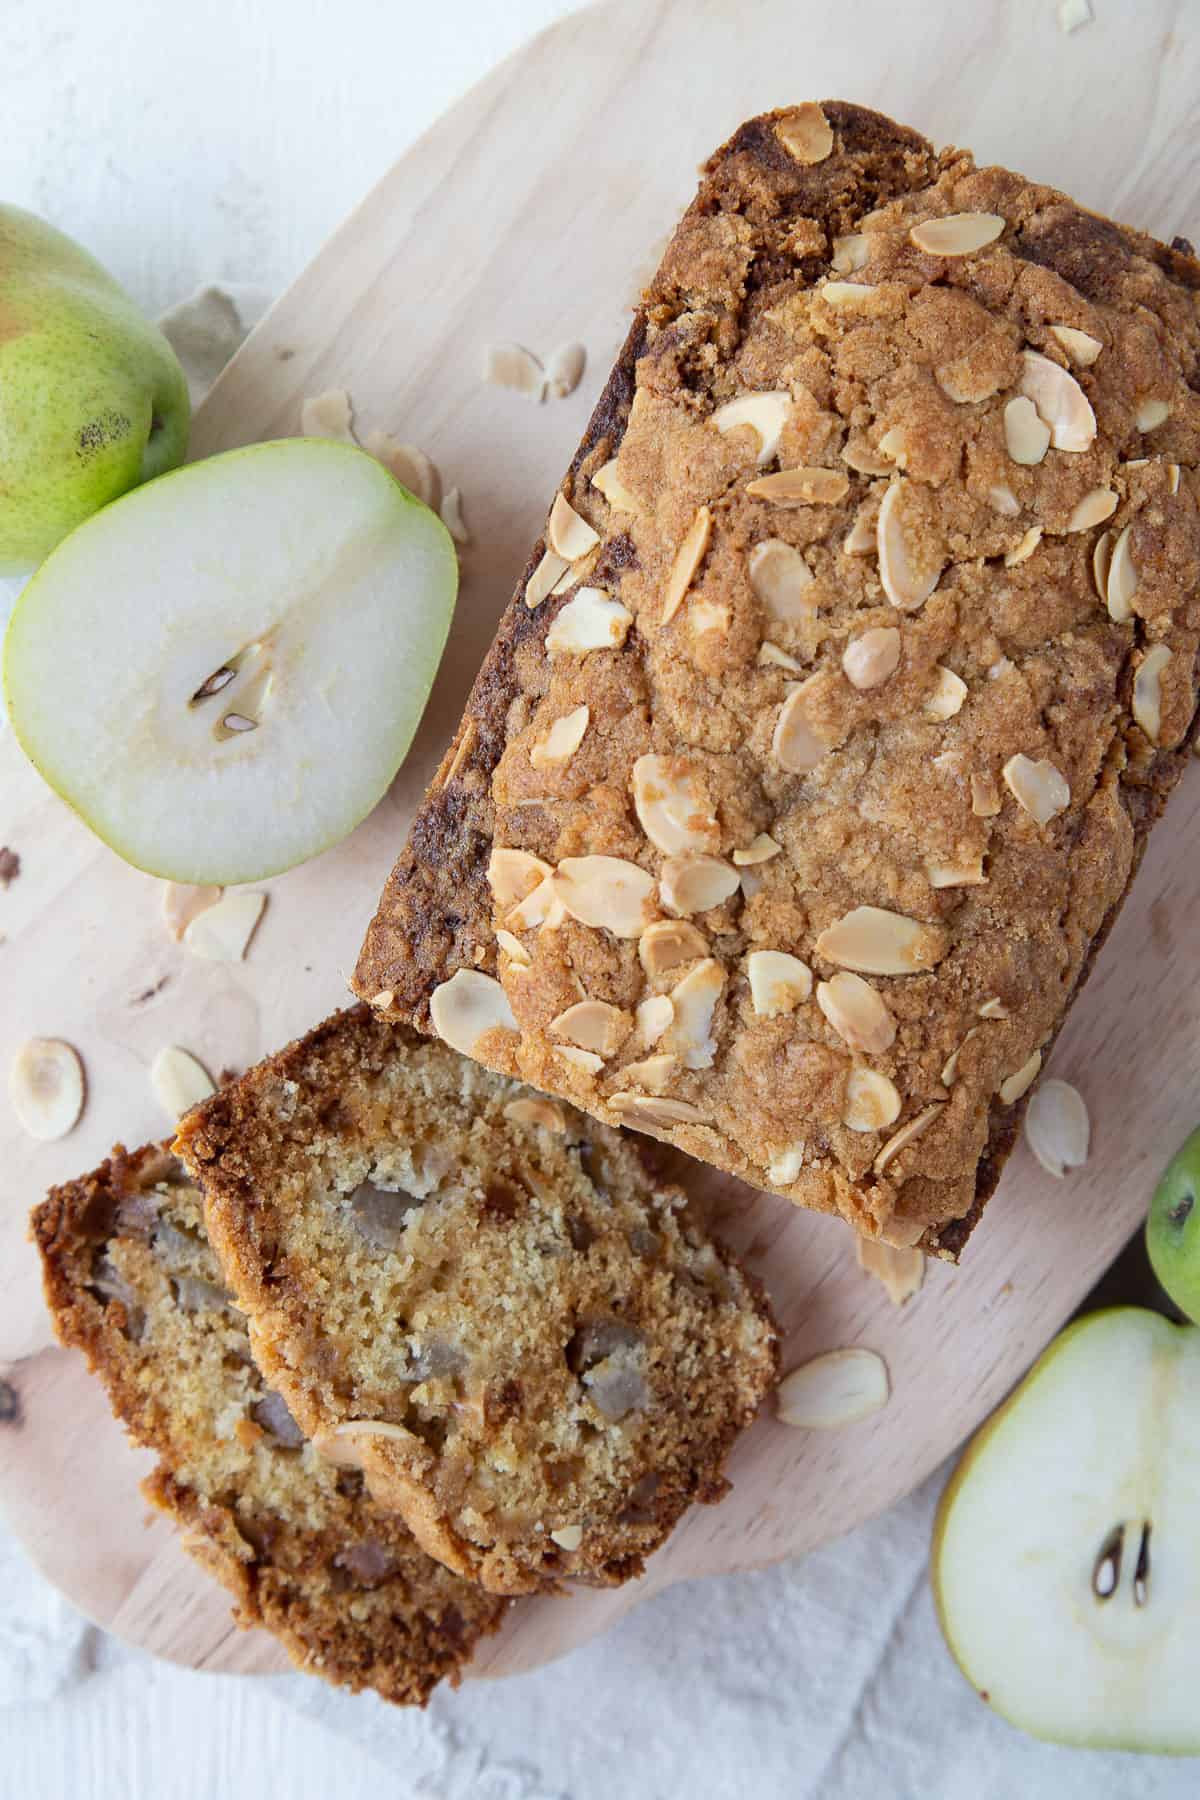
x=564 y=369
x=328 y=415
x=838 y=1388
x=181 y=903
x=452 y=517
x=222 y=932
x=46 y=1088
x=1057 y=1128
x=179 y=1081
x=901 y=1271
x=512 y=366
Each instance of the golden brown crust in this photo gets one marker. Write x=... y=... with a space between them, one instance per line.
x=484 y=1301
x=302 y=1549
x=901 y=389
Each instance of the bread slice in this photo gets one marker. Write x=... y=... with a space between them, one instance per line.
x=530 y=1345
x=131 y=1281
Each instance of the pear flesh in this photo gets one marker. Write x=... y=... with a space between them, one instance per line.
x=1066 y=1553
x=222 y=671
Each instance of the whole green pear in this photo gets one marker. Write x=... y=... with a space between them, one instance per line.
x=92 y=398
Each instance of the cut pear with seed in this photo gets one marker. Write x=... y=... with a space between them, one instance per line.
x=223 y=671
x=1065 y=1565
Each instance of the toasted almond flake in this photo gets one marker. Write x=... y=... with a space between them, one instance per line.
x=1147 y=691
x=1121 y=578
x=866 y=460
x=1039 y=787
x=513 y=948
x=906 y=584
x=871 y=658
x=1057 y=1128
x=993 y=1008
x=836 y=1389
x=894 y=446
x=667 y=943
x=641 y=1110
x=1172 y=478
x=950 y=1066
x=462 y=751
x=619 y=497
x=906 y=1135
x=801 y=487
x=770 y=656
x=1021 y=1080
x=383 y=999
x=760 y=850
x=591 y=621
x=570 y=536
x=1093 y=509
x=965 y=873
x=765 y=414
x=653 y=1073
x=540 y=907
x=568 y=1537
x=805 y=133
x=705 y=615
x=654 y=1016
x=514 y=874
x=1025 y=549
x=179 y=1081
x=593 y=1025
x=671 y=807
x=1060 y=401
x=779 y=982
x=688 y=558
x=857 y=1013
x=535 y=1109
x=872 y=1102
x=564 y=369
x=468 y=1005
x=328 y=415
x=693 y=1002
x=572 y=578
x=750 y=882
x=408 y=465
x=985 y=796
x=946 y=697
x=785 y=1166
x=606 y=892
x=1000 y=669
x=562 y=740
x=850 y=253
x=957 y=234
x=451 y=511
x=695 y=884
x=901 y=1271
x=1080 y=346
x=46 y=1088
x=861 y=539
x=512 y=366
x=544 y=577
x=587 y=1060
x=846 y=296
x=1026 y=434
x=1151 y=414
x=222 y=933
x=796 y=744
x=780 y=578
x=182 y=903
x=1004 y=501
x=873 y=941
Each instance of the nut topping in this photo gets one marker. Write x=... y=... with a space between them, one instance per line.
x=591 y=621
x=1080 y=346
x=544 y=578
x=796 y=744
x=1018 y=1083
x=606 y=892
x=568 y=1537
x=587 y=1060
x=845 y=296
x=670 y=807
x=1147 y=690
x=869 y=659
x=1025 y=549
x=653 y=1073
x=857 y=1013
x=770 y=656
x=805 y=133
x=761 y=850
x=850 y=253
x=966 y=873
x=906 y=1135
x=695 y=884
x=513 y=948
x=513 y=874
x=1093 y=509
x=957 y=234
x=668 y=943
x=876 y=942
x=688 y=558
x=1151 y=414
x=562 y=740
x=570 y=536
x=801 y=487
x=540 y=907
x=1060 y=401
x=1026 y=435
x=654 y=1016
x=778 y=982
x=462 y=1009
x=779 y=576
x=872 y=1102
x=1120 y=578
x=908 y=579
x=619 y=497
x=537 y=1110
x=1039 y=787
x=641 y=1110
x=985 y=796
x=46 y=1088
x=593 y=1025
x=766 y=415
x=693 y=1001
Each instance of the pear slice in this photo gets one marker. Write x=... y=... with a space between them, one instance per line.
x=222 y=671
x=1066 y=1551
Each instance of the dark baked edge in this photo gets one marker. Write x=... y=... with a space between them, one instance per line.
x=411 y=941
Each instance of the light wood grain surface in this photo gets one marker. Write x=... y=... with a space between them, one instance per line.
x=532 y=211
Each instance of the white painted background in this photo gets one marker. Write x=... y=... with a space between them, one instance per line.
x=224 y=140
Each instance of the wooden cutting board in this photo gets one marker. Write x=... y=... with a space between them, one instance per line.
x=533 y=211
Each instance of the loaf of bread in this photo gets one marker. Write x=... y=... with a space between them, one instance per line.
x=819 y=745
x=131 y=1280
x=482 y=1300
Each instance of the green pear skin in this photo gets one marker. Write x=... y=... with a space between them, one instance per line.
x=1173 y=1228
x=92 y=398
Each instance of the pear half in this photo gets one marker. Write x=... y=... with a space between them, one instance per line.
x=223 y=670
x=1066 y=1552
